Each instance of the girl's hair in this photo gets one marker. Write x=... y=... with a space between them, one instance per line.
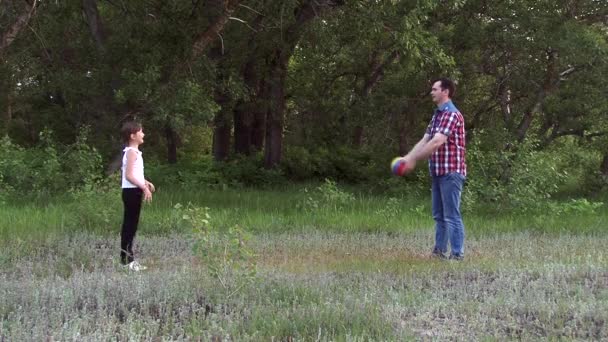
x=129 y=127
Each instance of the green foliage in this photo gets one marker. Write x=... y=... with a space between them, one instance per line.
x=524 y=180
x=358 y=64
x=49 y=168
x=529 y=180
x=536 y=177
x=82 y=162
x=11 y=165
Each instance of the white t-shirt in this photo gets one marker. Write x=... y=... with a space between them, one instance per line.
x=138 y=169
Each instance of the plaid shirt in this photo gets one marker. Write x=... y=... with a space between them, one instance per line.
x=449 y=157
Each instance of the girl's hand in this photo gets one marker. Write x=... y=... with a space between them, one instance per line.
x=150 y=186
x=147 y=195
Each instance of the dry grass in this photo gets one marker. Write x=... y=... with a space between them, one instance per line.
x=314 y=286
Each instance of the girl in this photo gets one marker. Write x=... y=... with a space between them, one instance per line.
x=134 y=187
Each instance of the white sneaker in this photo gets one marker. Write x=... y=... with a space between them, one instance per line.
x=135 y=266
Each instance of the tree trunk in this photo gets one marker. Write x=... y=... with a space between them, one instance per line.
x=172 y=143
x=358 y=136
x=221 y=136
x=245 y=111
x=505 y=104
x=274 y=90
x=249 y=127
x=604 y=166
x=377 y=66
x=258 y=130
x=276 y=109
x=260 y=109
x=404 y=144
x=550 y=84
x=407 y=120
x=242 y=129
x=9 y=113
x=95 y=24
x=105 y=103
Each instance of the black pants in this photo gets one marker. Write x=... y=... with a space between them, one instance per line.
x=131 y=198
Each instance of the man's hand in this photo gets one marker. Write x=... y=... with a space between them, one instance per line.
x=409 y=162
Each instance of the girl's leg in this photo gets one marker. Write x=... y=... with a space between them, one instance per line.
x=131 y=199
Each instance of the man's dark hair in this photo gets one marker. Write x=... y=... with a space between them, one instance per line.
x=448 y=84
x=128 y=128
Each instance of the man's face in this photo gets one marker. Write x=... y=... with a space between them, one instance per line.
x=438 y=95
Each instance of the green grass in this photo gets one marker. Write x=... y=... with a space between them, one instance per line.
x=341 y=268
x=274 y=211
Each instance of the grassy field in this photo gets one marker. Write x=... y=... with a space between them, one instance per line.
x=331 y=266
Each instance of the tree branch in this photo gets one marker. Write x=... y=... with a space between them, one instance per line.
x=213 y=31
x=9 y=36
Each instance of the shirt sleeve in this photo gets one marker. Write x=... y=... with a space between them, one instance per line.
x=429 y=128
x=449 y=121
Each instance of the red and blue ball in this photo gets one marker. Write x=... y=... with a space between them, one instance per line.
x=399 y=167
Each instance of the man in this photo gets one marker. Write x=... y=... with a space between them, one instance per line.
x=444 y=146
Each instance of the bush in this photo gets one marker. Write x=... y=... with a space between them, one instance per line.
x=82 y=163
x=346 y=164
x=521 y=180
x=48 y=168
x=249 y=171
x=236 y=172
x=185 y=172
x=96 y=207
x=301 y=164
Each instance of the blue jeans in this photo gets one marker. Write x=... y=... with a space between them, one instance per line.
x=446 y=192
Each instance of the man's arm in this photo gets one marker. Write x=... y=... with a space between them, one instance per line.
x=425 y=147
x=419 y=145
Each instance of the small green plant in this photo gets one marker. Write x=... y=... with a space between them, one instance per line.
x=330 y=193
x=226 y=254
x=326 y=195
x=391 y=210
x=310 y=203
x=580 y=206
x=421 y=210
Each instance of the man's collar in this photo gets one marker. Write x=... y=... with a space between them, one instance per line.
x=446 y=106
